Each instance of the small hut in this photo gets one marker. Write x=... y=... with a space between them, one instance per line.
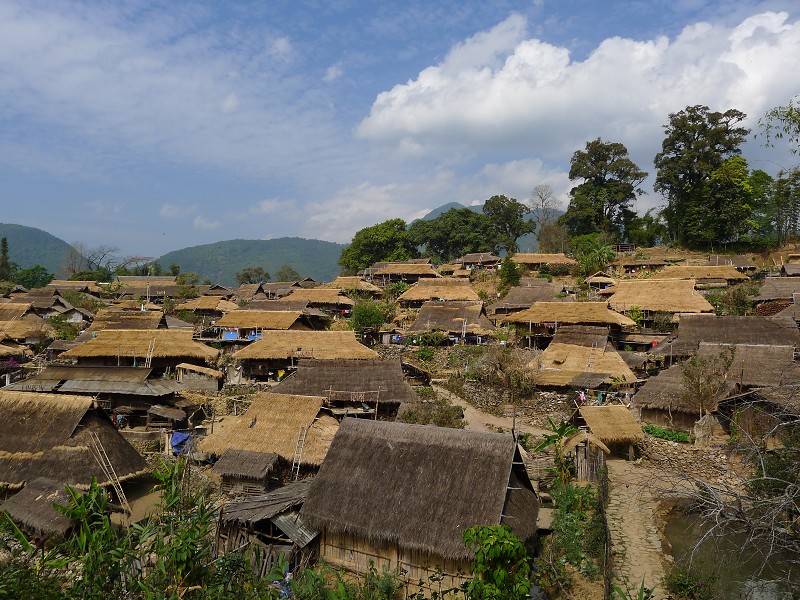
x=361 y=502
x=246 y=472
x=613 y=425
x=443 y=290
x=464 y=321
x=32 y=509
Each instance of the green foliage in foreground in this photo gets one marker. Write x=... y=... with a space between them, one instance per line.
x=667 y=434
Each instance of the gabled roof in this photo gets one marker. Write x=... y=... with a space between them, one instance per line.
x=459 y=479
x=739 y=261
x=252 y=510
x=244 y=464
x=439 y=289
x=408 y=268
x=479 y=258
x=758 y=365
x=261 y=319
x=143 y=281
x=283 y=345
x=451 y=317
x=320 y=296
x=14 y=310
x=565 y=365
x=613 y=424
x=702 y=273
x=49 y=435
x=523 y=297
x=352 y=283
x=318 y=377
x=167 y=343
x=98 y=380
x=272 y=423
x=113 y=318
x=217 y=303
x=542 y=259
x=32 y=507
x=667 y=391
x=658 y=295
x=779 y=288
x=570 y=312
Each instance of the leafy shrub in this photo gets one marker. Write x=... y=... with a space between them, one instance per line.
x=686 y=582
x=667 y=434
x=425 y=354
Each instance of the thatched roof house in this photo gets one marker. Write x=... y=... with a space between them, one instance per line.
x=360 y=499
x=613 y=424
x=704 y=274
x=779 y=288
x=347 y=283
x=576 y=313
x=479 y=260
x=245 y=321
x=757 y=364
x=329 y=299
x=285 y=345
x=116 y=318
x=208 y=305
x=637 y=265
x=750 y=330
x=740 y=262
x=50 y=435
x=273 y=423
x=676 y=296
x=580 y=366
x=246 y=472
x=455 y=318
x=351 y=382
x=168 y=348
x=32 y=508
x=438 y=289
x=535 y=261
x=408 y=272
x=521 y=297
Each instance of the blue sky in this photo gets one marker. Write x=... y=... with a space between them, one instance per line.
x=154 y=126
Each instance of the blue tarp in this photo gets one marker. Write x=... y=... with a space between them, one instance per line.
x=179 y=442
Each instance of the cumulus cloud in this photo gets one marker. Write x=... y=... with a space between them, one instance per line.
x=174 y=211
x=273 y=206
x=498 y=92
x=201 y=222
x=281 y=47
x=333 y=72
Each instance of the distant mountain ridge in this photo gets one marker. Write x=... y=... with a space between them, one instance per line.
x=219 y=262
x=29 y=246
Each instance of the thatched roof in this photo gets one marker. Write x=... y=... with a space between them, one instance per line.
x=582 y=335
x=571 y=442
x=143 y=281
x=32 y=507
x=739 y=261
x=639 y=262
x=215 y=303
x=524 y=297
x=779 y=288
x=758 y=365
x=167 y=343
x=659 y=295
x=29 y=326
x=535 y=259
x=479 y=258
x=202 y=370
x=667 y=391
x=283 y=345
x=568 y=365
x=752 y=330
x=98 y=380
x=570 y=312
x=260 y=319
x=113 y=318
x=786 y=397
x=420 y=486
x=14 y=310
x=320 y=296
x=408 y=268
x=613 y=424
x=245 y=464
x=272 y=423
x=450 y=317
x=49 y=435
x=702 y=273
x=66 y=284
x=352 y=283
x=439 y=289
x=318 y=377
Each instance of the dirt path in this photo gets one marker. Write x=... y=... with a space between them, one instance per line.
x=635 y=536
x=479 y=420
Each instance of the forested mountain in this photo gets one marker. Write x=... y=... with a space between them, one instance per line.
x=29 y=246
x=219 y=262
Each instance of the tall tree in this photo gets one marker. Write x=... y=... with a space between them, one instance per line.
x=454 y=233
x=252 y=275
x=387 y=241
x=287 y=273
x=543 y=205
x=33 y=277
x=508 y=219
x=5 y=264
x=783 y=122
x=697 y=143
x=610 y=182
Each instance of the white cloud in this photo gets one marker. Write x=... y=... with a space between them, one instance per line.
x=281 y=47
x=273 y=206
x=103 y=208
x=230 y=104
x=333 y=72
x=201 y=222
x=173 y=211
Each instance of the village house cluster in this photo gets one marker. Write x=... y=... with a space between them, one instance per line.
x=295 y=415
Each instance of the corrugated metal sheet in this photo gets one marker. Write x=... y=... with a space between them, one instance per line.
x=255 y=509
x=297 y=531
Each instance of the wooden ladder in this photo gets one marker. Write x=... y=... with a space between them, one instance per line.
x=100 y=455
x=298 y=452
x=149 y=359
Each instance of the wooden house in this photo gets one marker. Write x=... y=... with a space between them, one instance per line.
x=352 y=387
x=519 y=298
x=210 y=307
x=330 y=300
x=633 y=266
x=277 y=352
x=20 y=323
x=164 y=349
x=461 y=321
x=316 y=318
x=267 y=526
x=354 y=286
x=535 y=261
x=56 y=436
x=776 y=294
x=442 y=290
x=407 y=272
x=197 y=378
x=705 y=276
x=671 y=297
x=247 y=472
x=613 y=425
x=477 y=261
x=248 y=325
x=361 y=503
x=765 y=415
x=32 y=509
x=741 y=262
x=296 y=428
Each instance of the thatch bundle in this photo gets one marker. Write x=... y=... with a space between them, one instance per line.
x=439 y=289
x=272 y=423
x=589 y=313
x=658 y=295
x=453 y=317
x=167 y=343
x=283 y=345
x=318 y=377
x=260 y=319
x=613 y=424
x=420 y=486
x=49 y=435
x=538 y=259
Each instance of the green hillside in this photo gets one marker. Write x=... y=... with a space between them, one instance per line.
x=29 y=246
x=220 y=261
